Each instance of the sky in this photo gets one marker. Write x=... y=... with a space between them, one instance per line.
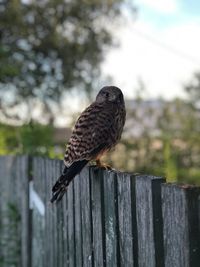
x=160 y=46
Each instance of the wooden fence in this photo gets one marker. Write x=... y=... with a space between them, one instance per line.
x=107 y=218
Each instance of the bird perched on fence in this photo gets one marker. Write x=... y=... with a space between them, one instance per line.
x=96 y=131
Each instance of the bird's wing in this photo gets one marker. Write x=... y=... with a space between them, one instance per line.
x=91 y=134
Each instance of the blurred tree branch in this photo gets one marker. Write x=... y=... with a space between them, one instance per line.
x=50 y=46
x=192 y=88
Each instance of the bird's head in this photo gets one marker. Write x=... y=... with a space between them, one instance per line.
x=110 y=94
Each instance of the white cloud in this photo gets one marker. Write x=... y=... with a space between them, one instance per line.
x=163 y=6
x=163 y=71
x=185 y=37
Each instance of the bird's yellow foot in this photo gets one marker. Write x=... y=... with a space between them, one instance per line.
x=99 y=164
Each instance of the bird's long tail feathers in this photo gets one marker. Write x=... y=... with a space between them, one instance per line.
x=66 y=177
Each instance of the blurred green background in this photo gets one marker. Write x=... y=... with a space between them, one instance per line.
x=51 y=54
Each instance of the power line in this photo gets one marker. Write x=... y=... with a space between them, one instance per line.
x=167 y=47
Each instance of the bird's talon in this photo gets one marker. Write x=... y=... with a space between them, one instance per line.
x=102 y=165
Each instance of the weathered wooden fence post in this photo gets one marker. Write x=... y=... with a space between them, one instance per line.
x=106 y=218
x=86 y=218
x=181 y=225
x=149 y=220
x=14 y=211
x=97 y=217
x=110 y=218
x=125 y=220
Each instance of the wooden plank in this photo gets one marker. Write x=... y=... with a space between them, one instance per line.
x=6 y=196
x=180 y=220
x=37 y=177
x=71 y=236
x=77 y=222
x=20 y=190
x=41 y=190
x=199 y=212
x=148 y=193
x=59 y=234
x=3 y=180
x=48 y=228
x=125 y=219
x=43 y=180
x=23 y=181
x=54 y=218
x=59 y=229
x=2 y=206
x=158 y=220
x=14 y=210
x=53 y=228
x=110 y=210
x=49 y=214
x=86 y=217
x=15 y=200
x=37 y=198
x=37 y=240
x=65 y=232
x=97 y=216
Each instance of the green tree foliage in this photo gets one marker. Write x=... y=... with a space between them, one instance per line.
x=35 y=139
x=192 y=89
x=8 y=139
x=169 y=159
x=32 y=138
x=50 y=46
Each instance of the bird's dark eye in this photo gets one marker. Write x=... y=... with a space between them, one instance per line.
x=106 y=94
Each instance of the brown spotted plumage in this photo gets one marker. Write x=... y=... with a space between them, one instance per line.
x=96 y=131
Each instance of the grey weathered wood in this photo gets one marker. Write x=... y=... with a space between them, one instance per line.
x=125 y=220
x=48 y=225
x=78 y=221
x=37 y=240
x=158 y=220
x=71 y=233
x=54 y=218
x=14 y=195
x=145 y=212
x=38 y=177
x=110 y=216
x=52 y=207
x=199 y=211
x=86 y=217
x=4 y=198
x=19 y=189
x=59 y=207
x=65 y=233
x=180 y=220
x=102 y=220
x=23 y=164
x=60 y=234
x=38 y=219
x=97 y=216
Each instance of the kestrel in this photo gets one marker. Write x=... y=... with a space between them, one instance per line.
x=96 y=131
